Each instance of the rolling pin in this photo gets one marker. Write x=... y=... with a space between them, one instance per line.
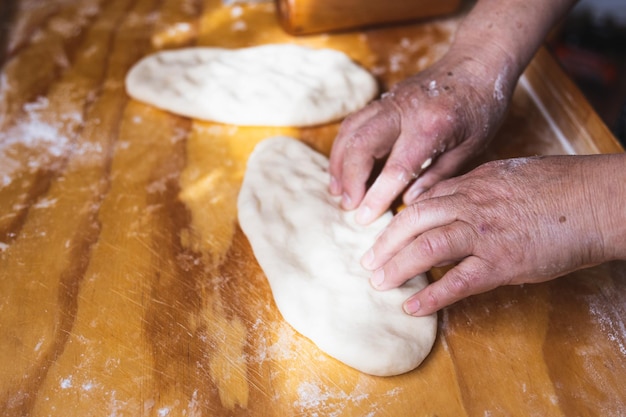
x=303 y=17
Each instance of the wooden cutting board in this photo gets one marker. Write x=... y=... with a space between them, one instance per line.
x=128 y=288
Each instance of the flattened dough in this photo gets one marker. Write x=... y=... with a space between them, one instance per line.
x=309 y=250
x=269 y=85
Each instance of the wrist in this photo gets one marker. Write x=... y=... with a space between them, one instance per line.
x=490 y=68
x=506 y=35
x=605 y=182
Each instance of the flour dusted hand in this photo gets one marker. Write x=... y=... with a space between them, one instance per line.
x=508 y=222
x=309 y=250
x=269 y=85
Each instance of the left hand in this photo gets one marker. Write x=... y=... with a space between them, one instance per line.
x=424 y=129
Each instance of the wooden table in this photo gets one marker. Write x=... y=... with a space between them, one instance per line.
x=128 y=289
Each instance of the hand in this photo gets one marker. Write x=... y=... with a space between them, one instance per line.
x=427 y=125
x=506 y=222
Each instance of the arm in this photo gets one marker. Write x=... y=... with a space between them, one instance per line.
x=506 y=222
x=435 y=121
x=506 y=34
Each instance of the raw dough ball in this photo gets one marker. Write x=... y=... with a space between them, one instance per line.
x=309 y=250
x=269 y=85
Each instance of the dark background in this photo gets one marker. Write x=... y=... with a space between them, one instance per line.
x=590 y=44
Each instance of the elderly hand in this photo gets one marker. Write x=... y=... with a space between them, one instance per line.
x=433 y=122
x=506 y=222
x=428 y=126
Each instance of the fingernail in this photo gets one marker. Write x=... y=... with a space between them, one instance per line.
x=334 y=186
x=412 y=306
x=364 y=215
x=345 y=200
x=378 y=278
x=368 y=259
x=412 y=195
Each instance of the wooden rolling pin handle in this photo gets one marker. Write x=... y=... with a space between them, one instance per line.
x=303 y=17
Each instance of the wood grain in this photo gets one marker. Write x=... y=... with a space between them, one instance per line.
x=128 y=288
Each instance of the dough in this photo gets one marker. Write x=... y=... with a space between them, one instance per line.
x=269 y=85
x=309 y=250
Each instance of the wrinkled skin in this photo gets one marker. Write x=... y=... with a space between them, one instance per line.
x=506 y=222
x=428 y=125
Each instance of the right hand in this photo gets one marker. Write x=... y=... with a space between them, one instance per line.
x=427 y=126
x=516 y=221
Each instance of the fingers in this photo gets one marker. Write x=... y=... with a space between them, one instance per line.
x=440 y=246
x=351 y=124
x=423 y=140
x=405 y=163
x=406 y=226
x=411 y=139
x=471 y=276
x=443 y=166
x=363 y=137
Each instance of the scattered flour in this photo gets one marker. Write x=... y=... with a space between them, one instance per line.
x=46 y=137
x=22 y=27
x=327 y=400
x=283 y=349
x=236 y=12
x=611 y=324
x=239 y=26
x=66 y=383
x=33 y=133
x=45 y=203
x=414 y=53
x=433 y=90
x=498 y=94
x=315 y=396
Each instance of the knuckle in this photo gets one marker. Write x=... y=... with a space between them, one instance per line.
x=433 y=299
x=460 y=284
x=489 y=169
x=411 y=215
x=431 y=246
x=381 y=249
x=398 y=270
x=446 y=244
x=433 y=119
x=360 y=123
x=392 y=273
x=399 y=170
x=350 y=123
x=360 y=139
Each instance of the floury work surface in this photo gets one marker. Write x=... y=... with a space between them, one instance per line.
x=129 y=289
